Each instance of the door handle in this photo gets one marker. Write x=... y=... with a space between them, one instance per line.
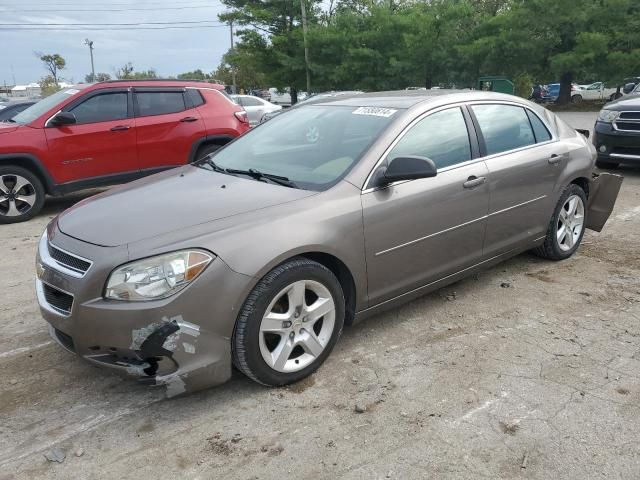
x=473 y=181
x=554 y=159
x=189 y=119
x=120 y=128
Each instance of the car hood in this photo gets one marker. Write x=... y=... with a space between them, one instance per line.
x=167 y=202
x=7 y=127
x=629 y=102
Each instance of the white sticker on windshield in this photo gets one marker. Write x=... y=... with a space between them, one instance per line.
x=71 y=91
x=375 y=111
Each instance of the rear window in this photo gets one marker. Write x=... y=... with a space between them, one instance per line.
x=159 y=103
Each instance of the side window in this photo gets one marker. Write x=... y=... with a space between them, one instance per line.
x=504 y=127
x=539 y=130
x=159 y=103
x=195 y=97
x=442 y=137
x=102 y=108
x=238 y=100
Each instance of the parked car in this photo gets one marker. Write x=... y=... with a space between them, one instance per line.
x=284 y=97
x=551 y=93
x=319 y=218
x=9 y=110
x=255 y=107
x=593 y=92
x=262 y=93
x=617 y=133
x=108 y=133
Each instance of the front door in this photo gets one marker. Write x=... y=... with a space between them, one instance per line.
x=420 y=231
x=102 y=142
x=524 y=164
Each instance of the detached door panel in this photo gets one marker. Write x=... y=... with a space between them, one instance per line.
x=101 y=143
x=166 y=128
x=419 y=231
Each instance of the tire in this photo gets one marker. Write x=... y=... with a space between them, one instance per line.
x=24 y=203
x=553 y=248
x=605 y=164
x=206 y=150
x=615 y=96
x=252 y=345
x=576 y=99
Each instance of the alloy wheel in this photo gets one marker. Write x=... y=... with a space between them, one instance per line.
x=297 y=326
x=570 y=223
x=17 y=195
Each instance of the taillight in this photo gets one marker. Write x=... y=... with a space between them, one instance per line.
x=242 y=116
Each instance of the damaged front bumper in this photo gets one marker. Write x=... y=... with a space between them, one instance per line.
x=603 y=192
x=182 y=342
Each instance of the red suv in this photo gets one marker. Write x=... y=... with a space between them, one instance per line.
x=107 y=133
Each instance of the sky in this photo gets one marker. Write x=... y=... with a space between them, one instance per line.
x=168 y=51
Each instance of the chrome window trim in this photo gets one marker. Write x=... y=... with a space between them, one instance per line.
x=48 y=260
x=554 y=138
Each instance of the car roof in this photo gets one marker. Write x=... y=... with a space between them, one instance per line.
x=161 y=83
x=403 y=99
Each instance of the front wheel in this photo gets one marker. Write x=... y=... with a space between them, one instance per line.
x=576 y=99
x=289 y=323
x=566 y=227
x=21 y=194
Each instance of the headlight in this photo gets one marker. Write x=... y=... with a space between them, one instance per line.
x=156 y=277
x=608 y=116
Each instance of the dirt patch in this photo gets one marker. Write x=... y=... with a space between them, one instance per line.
x=542 y=275
x=302 y=385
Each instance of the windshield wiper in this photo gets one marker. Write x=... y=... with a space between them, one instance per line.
x=214 y=166
x=258 y=175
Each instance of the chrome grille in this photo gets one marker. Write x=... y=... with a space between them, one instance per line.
x=627 y=122
x=57 y=299
x=630 y=115
x=68 y=260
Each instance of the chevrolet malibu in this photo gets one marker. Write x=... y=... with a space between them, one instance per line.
x=260 y=253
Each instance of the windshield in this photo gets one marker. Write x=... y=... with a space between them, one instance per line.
x=38 y=108
x=313 y=146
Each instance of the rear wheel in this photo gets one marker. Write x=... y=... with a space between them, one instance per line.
x=576 y=99
x=21 y=194
x=289 y=323
x=567 y=225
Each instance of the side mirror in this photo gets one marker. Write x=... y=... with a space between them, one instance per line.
x=406 y=168
x=628 y=88
x=63 y=118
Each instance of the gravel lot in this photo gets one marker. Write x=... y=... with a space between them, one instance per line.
x=528 y=370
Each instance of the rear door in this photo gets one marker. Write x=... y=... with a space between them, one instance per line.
x=422 y=230
x=524 y=162
x=167 y=126
x=103 y=140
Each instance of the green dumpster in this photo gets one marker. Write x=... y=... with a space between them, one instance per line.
x=496 y=84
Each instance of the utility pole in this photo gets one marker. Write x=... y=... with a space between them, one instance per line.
x=306 y=48
x=89 y=43
x=233 y=67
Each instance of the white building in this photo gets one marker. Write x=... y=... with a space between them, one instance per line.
x=30 y=90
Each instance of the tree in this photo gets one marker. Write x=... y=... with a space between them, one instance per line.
x=100 y=77
x=48 y=86
x=195 y=75
x=127 y=72
x=273 y=39
x=53 y=63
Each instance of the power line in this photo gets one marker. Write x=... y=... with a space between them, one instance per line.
x=104 y=24
x=58 y=10
x=91 y=29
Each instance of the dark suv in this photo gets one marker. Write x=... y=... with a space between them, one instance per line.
x=617 y=133
x=108 y=133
